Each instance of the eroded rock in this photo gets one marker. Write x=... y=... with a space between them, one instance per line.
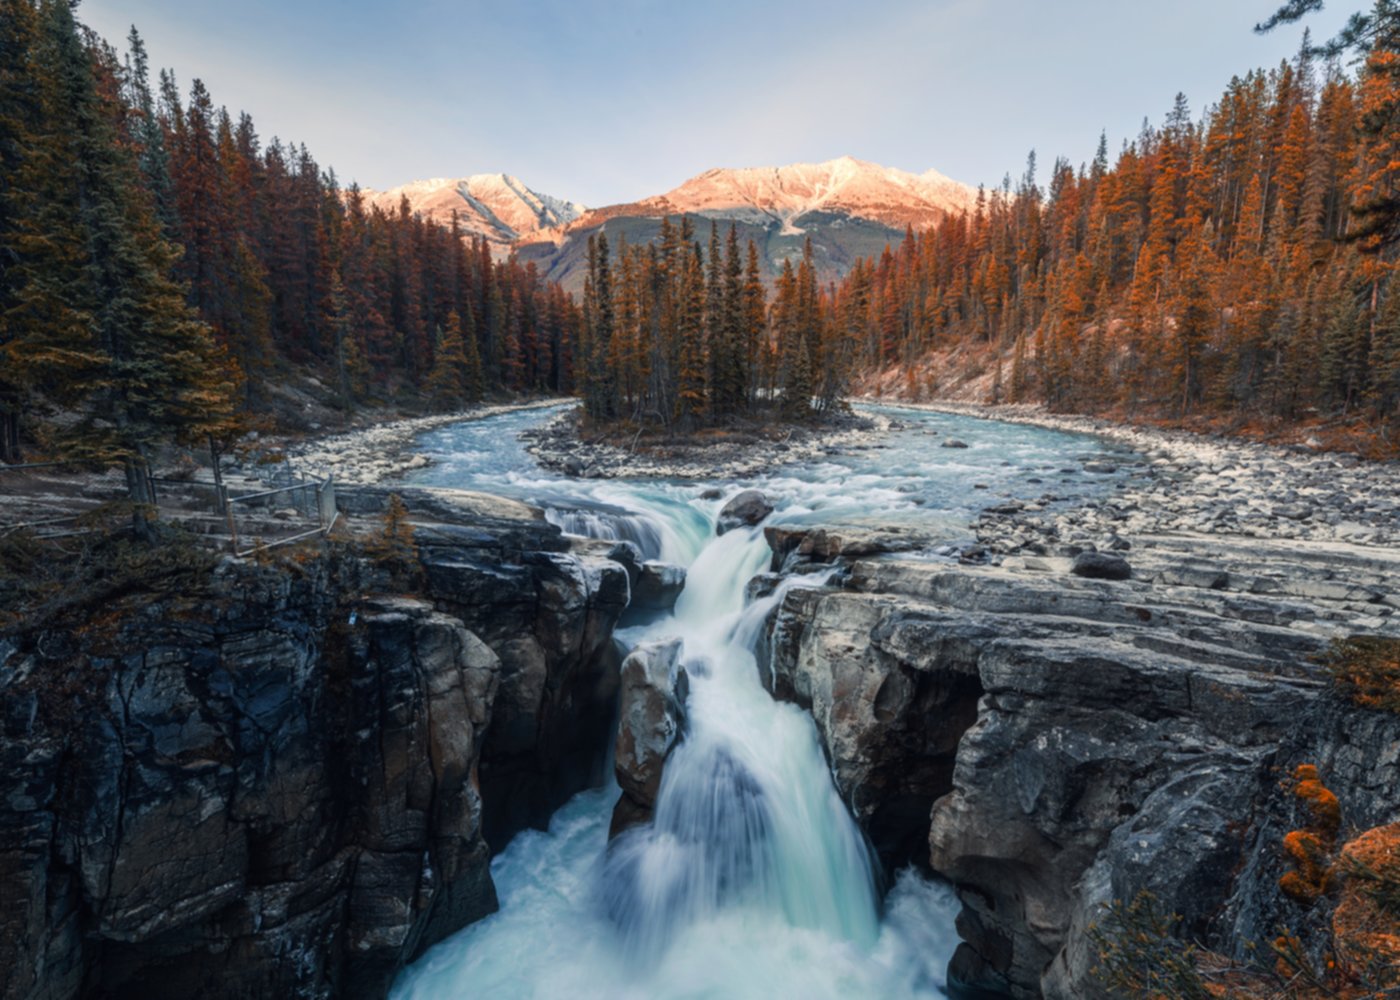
x=652 y=715
x=658 y=586
x=1108 y=737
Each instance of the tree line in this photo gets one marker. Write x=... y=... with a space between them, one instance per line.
x=161 y=268
x=681 y=334
x=1240 y=264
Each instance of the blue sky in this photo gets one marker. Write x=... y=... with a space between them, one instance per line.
x=609 y=101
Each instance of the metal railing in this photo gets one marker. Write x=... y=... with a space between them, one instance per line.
x=311 y=500
x=208 y=507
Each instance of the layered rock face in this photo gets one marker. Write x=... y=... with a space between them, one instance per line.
x=1079 y=740
x=549 y=613
x=279 y=787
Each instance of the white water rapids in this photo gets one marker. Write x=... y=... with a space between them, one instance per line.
x=752 y=880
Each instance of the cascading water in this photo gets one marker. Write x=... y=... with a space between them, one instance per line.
x=751 y=880
x=747 y=816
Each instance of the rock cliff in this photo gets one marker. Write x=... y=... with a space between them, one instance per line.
x=280 y=785
x=1060 y=742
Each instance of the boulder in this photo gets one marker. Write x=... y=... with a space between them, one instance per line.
x=953 y=443
x=658 y=586
x=795 y=546
x=745 y=509
x=1101 y=566
x=651 y=717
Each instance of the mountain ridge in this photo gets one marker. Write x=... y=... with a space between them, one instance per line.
x=849 y=207
x=500 y=207
x=764 y=195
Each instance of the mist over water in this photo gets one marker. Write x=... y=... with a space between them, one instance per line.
x=752 y=880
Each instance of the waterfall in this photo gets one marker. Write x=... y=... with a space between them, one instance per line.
x=751 y=880
x=747 y=816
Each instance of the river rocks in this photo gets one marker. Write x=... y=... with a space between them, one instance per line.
x=737 y=452
x=652 y=714
x=953 y=443
x=745 y=509
x=1105 y=737
x=1101 y=566
x=382 y=451
x=658 y=586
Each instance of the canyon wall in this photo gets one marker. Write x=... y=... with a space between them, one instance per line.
x=277 y=785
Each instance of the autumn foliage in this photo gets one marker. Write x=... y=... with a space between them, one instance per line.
x=1237 y=267
x=1367 y=670
x=162 y=268
x=1310 y=847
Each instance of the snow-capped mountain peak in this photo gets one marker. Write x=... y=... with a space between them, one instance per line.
x=499 y=207
x=844 y=186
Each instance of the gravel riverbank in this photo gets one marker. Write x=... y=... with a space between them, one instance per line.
x=1176 y=482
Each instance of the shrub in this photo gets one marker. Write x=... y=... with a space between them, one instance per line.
x=1311 y=846
x=393 y=545
x=1140 y=956
x=1366 y=668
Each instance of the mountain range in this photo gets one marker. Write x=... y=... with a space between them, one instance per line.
x=849 y=208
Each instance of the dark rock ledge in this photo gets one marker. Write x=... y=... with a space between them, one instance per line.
x=280 y=786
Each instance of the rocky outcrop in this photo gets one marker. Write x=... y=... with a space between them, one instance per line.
x=259 y=802
x=652 y=716
x=794 y=547
x=658 y=586
x=272 y=785
x=1080 y=740
x=548 y=610
x=744 y=509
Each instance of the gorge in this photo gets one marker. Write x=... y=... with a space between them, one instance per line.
x=899 y=728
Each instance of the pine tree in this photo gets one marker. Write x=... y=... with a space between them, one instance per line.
x=447 y=384
x=754 y=325
x=160 y=374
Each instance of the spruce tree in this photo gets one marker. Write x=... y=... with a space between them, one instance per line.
x=46 y=340
x=160 y=375
x=446 y=385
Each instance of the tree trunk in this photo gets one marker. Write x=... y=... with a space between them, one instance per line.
x=138 y=491
x=9 y=437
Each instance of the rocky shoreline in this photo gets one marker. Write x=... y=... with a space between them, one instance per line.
x=384 y=451
x=1180 y=483
x=559 y=447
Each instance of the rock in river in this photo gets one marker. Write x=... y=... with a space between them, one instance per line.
x=658 y=586
x=745 y=509
x=654 y=688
